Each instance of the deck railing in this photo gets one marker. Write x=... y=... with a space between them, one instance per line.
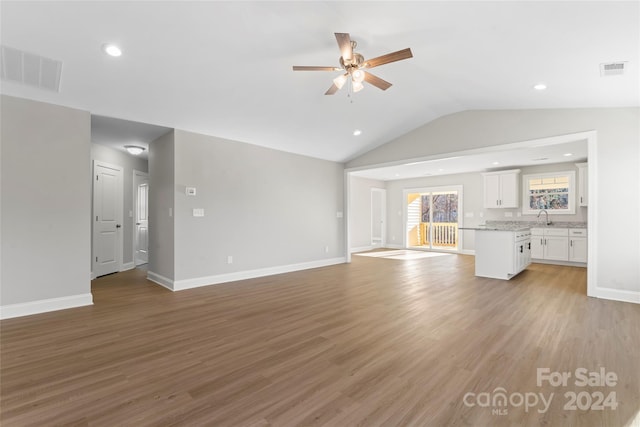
x=445 y=234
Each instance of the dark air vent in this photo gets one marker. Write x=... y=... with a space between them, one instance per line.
x=612 y=69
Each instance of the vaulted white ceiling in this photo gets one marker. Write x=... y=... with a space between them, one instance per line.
x=224 y=68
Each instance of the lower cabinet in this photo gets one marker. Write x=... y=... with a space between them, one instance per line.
x=501 y=254
x=578 y=245
x=556 y=248
x=559 y=244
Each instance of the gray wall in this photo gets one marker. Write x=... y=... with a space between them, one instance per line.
x=161 y=202
x=617 y=157
x=263 y=207
x=129 y=163
x=46 y=201
x=360 y=205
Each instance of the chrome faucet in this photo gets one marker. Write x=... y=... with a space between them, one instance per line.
x=546 y=214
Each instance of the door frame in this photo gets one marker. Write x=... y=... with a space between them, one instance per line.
x=420 y=190
x=120 y=216
x=136 y=177
x=383 y=215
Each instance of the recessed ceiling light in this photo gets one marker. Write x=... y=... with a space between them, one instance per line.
x=568 y=154
x=495 y=163
x=540 y=86
x=112 y=50
x=357 y=132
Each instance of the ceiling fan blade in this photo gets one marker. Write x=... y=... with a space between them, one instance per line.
x=389 y=57
x=344 y=42
x=376 y=81
x=314 y=68
x=333 y=89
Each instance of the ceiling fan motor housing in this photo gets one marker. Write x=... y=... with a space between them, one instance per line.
x=354 y=63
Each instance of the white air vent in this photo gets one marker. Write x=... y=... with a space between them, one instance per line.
x=612 y=69
x=29 y=69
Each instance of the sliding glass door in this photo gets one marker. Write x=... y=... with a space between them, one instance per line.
x=432 y=218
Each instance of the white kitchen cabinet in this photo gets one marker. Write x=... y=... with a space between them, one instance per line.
x=583 y=184
x=537 y=243
x=559 y=244
x=501 y=254
x=556 y=248
x=501 y=189
x=578 y=245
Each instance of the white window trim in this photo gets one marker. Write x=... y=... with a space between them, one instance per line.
x=526 y=210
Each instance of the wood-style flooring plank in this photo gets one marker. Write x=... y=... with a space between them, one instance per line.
x=377 y=342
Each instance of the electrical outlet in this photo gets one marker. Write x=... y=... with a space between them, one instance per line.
x=326 y=249
x=229 y=259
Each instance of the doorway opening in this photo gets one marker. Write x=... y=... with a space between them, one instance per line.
x=141 y=218
x=378 y=217
x=433 y=218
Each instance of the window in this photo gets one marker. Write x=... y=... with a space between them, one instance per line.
x=554 y=192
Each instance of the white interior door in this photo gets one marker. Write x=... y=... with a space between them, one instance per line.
x=107 y=218
x=378 y=214
x=141 y=225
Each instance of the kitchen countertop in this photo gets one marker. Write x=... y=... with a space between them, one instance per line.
x=523 y=225
x=498 y=227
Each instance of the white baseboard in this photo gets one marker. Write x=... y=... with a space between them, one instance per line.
x=467 y=252
x=45 y=305
x=93 y=276
x=180 y=285
x=393 y=246
x=617 y=295
x=565 y=263
x=128 y=266
x=160 y=280
x=362 y=249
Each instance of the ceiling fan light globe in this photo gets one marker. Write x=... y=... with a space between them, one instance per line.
x=340 y=81
x=357 y=76
x=357 y=86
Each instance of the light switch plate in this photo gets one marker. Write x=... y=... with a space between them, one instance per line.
x=190 y=191
x=198 y=212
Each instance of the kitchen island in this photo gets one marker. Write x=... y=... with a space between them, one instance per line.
x=502 y=251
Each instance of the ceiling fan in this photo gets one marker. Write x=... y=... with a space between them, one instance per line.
x=355 y=66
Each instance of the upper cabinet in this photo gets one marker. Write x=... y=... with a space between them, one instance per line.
x=501 y=189
x=583 y=184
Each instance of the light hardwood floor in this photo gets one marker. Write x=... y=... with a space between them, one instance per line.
x=375 y=342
